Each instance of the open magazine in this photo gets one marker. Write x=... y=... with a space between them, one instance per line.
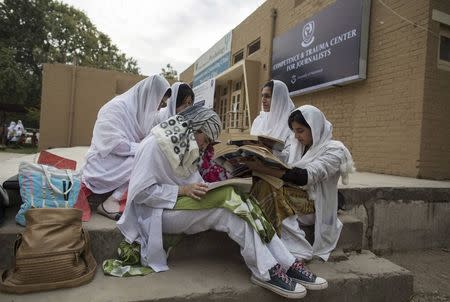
x=229 y=157
x=248 y=139
x=241 y=184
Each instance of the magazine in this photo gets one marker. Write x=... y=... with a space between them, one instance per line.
x=263 y=140
x=240 y=184
x=230 y=156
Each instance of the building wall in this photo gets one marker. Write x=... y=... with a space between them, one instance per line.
x=435 y=141
x=389 y=121
x=90 y=89
x=380 y=118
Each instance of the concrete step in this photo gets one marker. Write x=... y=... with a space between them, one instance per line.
x=105 y=238
x=363 y=277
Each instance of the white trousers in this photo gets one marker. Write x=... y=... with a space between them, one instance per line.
x=258 y=256
x=294 y=238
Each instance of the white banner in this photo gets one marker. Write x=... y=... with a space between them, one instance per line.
x=205 y=92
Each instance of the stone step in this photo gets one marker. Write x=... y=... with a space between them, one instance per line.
x=362 y=277
x=105 y=239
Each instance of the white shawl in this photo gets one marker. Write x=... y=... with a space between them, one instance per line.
x=275 y=122
x=170 y=109
x=143 y=222
x=325 y=161
x=125 y=120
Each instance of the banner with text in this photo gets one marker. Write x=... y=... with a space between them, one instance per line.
x=330 y=48
x=214 y=61
x=205 y=92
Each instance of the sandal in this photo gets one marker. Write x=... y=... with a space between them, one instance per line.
x=112 y=215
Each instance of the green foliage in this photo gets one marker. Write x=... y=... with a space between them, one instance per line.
x=33 y=32
x=169 y=73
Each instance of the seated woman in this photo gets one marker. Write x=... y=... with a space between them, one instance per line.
x=167 y=195
x=120 y=126
x=317 y=162
x=276 y=106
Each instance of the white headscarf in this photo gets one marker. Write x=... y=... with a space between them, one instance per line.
x=325 y=161
x=322 y=132
x=19 y=128
x=275 y=122
x=11 y=128
x=130 y=116
x=170 y=109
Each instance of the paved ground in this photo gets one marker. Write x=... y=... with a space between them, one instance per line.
x=10 y=163
x=6 y=155
x=431 y=271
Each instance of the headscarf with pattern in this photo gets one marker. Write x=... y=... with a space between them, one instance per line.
x=176 y=139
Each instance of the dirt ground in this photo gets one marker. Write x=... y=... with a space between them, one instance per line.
x=431 y=270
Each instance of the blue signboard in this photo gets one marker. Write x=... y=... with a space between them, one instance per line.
x=214 y=61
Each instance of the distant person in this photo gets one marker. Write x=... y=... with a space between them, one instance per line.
x=121 y=125
x=11 y=132
x=276 y=106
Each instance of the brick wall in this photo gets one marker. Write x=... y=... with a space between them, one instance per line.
x=435 y=141
x=383 y=119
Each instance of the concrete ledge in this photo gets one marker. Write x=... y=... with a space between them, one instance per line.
x=401 y=219
x=105 y=238
x=363 y=277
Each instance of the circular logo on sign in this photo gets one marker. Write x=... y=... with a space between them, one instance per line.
x=308 y=33
x=293 y=79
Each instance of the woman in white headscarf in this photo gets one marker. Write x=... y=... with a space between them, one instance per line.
x=276 y=106
x=121 y=125
x=317 y=162
x=181 y=98
x=168 y=196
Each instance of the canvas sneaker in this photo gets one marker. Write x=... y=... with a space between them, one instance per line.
x=281 y=284
x=301 y=274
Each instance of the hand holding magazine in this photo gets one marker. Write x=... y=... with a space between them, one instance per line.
x=231 y=157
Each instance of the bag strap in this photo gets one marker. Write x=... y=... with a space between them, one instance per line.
x=56 y=189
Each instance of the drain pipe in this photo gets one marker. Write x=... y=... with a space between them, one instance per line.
x=273 y=15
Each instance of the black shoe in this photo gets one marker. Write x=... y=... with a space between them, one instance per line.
x=300 y=273
x=281 y=284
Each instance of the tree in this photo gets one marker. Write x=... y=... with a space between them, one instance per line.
x=169 y=73
x=33 y=32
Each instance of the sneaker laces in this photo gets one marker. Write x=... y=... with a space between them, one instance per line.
x=279 y=272
x=300 y=266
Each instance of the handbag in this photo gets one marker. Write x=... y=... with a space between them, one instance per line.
x=53 y=252
x=43 y=186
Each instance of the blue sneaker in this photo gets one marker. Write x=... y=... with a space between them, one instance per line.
x=281 y=284
x=300 y=273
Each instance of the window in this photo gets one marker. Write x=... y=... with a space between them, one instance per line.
x=254 y=46
x=238 y=56
x=444 y=48
x=237 y=86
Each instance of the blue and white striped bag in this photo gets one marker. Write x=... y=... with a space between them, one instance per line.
x=43 y=186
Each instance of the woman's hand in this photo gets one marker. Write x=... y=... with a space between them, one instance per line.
x=195 y=191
